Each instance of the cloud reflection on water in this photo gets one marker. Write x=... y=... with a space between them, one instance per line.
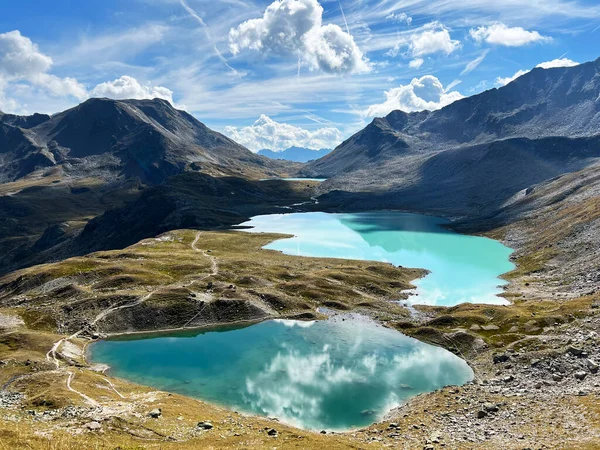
x=303 y=386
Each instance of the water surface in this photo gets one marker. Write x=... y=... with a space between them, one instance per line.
x=463 y=268
x=336 y=374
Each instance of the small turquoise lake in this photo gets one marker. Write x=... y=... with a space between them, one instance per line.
x=462 y=268
x=336 y=374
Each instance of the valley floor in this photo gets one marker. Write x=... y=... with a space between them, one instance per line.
x=537 y=383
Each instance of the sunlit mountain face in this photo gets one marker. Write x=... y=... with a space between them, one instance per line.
x=274 y=75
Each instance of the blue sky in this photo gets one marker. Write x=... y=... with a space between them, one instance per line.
x=292 y=72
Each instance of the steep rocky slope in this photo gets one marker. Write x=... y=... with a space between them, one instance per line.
x=49 y=223
x=146 y=139
x=57 y=173
x=474 y=154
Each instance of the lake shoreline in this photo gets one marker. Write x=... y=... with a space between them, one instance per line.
x=297 y=344
x=429 y=418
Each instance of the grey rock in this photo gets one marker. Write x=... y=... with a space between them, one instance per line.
x=93 y=426
x=580 y=375
x=500 y=358
x=490 y=407
x=591 y=365
x=155 y=413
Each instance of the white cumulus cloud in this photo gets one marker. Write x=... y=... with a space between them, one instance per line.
x=501 y=34
x=425 y=93
x=562 y=62
x=21 y=60
x=430 y=39
x=295 y=28
x=503 y=81
x=416 y=63
x=269 y=134
x=128 y=87
x=435 y=39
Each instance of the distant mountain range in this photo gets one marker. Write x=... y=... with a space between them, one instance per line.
x=297 y=154
x=146 y=139
x=471 y=156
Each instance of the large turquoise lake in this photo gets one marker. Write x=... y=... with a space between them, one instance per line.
x=336 y=374
x=462 y=268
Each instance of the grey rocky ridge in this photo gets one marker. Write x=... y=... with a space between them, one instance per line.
x=147 y=139
x=472 y=156
x=60 y=171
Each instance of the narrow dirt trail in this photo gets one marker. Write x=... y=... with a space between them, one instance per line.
x=111 y=310
x=90 y=400
x=112 y=386
x=51 y=355
x=214 y=265
x=214 y=271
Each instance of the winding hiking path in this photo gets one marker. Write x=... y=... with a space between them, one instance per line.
x=51 y=355
x=214 y=265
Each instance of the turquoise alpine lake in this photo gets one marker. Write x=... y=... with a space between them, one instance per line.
x=335 y=374
x=462 y=268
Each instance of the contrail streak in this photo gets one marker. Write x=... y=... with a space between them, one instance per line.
x=344 y=17
x=193 y=13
